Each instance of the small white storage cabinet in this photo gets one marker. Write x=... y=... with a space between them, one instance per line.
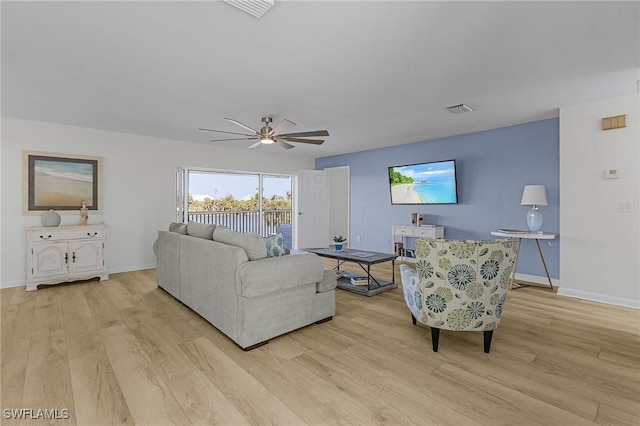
x=406 y=234
x=65 y=253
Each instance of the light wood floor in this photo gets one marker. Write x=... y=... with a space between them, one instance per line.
x=123 y=351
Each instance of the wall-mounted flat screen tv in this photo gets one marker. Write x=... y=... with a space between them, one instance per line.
x=424 y=183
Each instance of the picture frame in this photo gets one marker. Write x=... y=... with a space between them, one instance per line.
x=60 y=182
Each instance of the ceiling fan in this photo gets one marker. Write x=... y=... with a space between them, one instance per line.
x=268 y=135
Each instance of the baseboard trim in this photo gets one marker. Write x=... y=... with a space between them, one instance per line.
x=21 y=282
x=536 y=280
x=601 y=298
x=579 y=294
x=132 y=268
x=14 y=283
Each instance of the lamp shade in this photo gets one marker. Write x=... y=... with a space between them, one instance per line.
x=534 y=195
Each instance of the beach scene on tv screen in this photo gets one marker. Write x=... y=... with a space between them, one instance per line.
x=428 y=183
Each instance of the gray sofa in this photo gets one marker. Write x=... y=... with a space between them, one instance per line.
x=227 y=278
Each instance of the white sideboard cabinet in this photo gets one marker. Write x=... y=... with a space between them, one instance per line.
x=65 y=253
x=406 y=234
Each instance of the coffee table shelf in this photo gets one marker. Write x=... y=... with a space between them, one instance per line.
x=364 y=259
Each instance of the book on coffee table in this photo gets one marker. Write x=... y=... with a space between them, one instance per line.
x=360 y=281
x=362 y=254
x=356 y=279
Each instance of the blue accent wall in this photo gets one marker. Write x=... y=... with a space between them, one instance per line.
x=493 y=167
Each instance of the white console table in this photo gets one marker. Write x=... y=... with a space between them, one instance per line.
x=403 y=232
x=527 y=236
x=65 y=253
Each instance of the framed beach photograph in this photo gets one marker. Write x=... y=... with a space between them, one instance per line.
x=60 y=182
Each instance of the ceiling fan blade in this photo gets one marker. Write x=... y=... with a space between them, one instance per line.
x=283 y=126
x=222 y=131
x=305 y=134
x=254 y=145
x=232 y=139
x=283 y=144
x=241 y=125
x=311 y=141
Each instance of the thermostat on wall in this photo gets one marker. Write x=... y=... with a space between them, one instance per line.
x=611 y=174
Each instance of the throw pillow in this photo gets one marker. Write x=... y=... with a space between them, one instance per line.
x=253 y=244
x=275 y=245
x=180 y=228
x=200 y=230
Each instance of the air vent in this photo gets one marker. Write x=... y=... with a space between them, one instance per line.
x=255 y=8
x=459 y=109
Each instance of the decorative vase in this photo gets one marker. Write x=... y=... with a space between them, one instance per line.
x=534 y=219
x=51 y=218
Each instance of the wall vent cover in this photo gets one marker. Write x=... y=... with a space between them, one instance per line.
x=255 y=8
x=459 y=109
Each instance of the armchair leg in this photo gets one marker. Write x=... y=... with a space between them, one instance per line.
x=413 y=319
x=488 y=334
x=435 y=336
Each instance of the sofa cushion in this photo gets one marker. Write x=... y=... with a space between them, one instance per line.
x=253 y=244
x=200 y=230
x=275 y=245
x=180 y=228
x=276 y=274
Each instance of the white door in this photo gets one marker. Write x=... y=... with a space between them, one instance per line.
x=311 y=210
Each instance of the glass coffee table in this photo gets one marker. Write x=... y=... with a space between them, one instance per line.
x=365 y=284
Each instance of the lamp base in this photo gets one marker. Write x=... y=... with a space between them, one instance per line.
x=534 y=220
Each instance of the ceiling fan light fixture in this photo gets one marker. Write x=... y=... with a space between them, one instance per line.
x=255 y=8
x=269 y=136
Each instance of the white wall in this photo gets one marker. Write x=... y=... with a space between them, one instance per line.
x=600 y=250
x=139 y=189
x=338 y=195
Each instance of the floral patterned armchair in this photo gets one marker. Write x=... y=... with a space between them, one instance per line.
x=459 y=285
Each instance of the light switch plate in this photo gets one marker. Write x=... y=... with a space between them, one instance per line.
x=611 y=174
x=624 y=205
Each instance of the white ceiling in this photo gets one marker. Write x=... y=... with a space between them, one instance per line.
x=373 y=74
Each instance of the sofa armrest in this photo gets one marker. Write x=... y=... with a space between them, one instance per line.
x=328 y=283
x=272 y=274
x=168 y=262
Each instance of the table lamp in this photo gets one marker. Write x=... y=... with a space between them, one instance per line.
x=534 y=195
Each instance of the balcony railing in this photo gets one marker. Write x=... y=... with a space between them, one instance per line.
x=245 y=221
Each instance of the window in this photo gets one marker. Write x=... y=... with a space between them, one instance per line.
x=245 y=202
